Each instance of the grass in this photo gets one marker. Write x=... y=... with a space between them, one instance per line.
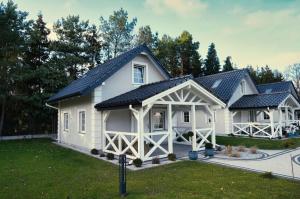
x=40 y=169
x=259 y=143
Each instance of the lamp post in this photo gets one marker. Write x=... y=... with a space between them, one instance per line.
x=122 y=175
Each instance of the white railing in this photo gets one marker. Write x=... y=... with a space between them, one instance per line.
x=202 y=135
x=118 y=143
x=156 y=139
x=256 y=129
x=179 y=137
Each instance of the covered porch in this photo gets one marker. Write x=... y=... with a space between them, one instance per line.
x=181 y=114
x=268 y=118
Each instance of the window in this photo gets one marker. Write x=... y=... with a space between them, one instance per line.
x=66 y=121
x=269 y=90
x=186 y=116
x=266 y=116
x=138 y=74
x=243 y=84
x=158 y=120
x=81 y=121
x=216 y=83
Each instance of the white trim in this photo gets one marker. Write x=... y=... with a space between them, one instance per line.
x=143 y=64
x=69 y=117
x=292 y=97
x=78 y=123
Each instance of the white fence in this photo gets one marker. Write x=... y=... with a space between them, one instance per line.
x=256 y=129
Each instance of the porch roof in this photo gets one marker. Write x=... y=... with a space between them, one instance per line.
x=136 y=96
x=271 y=100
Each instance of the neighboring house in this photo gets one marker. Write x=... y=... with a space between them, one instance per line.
x=131 y=105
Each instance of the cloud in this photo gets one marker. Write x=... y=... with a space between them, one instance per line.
x=180 y=7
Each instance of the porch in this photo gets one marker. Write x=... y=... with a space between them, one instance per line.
x=266 y=122
x=182 y=115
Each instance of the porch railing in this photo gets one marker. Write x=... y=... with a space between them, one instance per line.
x=156 y=139
x=256 y=129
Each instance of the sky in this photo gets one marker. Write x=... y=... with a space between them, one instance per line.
x=252 y=32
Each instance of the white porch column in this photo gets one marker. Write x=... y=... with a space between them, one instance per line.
x=280 y=122
x=140 y=125
x=213 y=135
x=272 y=122
x=194 y=144
x=293 y=114
x=170 y=130
x=104 y=117
x=286 y=115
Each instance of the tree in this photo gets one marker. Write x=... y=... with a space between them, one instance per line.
x=167 y=53
x=13 y=26
x=211 y=64
x=227 y=64
x=116 y=33
x=293 y=73
x=145 y=36
x=188 y=53
x=76 y=47
x=264 y=75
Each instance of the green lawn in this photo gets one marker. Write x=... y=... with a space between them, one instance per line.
x=40 y=169
x=259 y=143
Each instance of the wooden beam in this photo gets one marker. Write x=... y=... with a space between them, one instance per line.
x=170 y=130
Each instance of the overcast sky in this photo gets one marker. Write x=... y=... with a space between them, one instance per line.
x=256 y=32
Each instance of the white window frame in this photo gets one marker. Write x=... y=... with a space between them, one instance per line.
x=79 y=121
x=182 y=117
x=64 y=122
x=142 y=64
x=152 y=119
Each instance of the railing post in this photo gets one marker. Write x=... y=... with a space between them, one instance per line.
x=141 y=134
x=170 y=131
x=272 y=122
x=194 y=143
x=120 y=143
x=251 y=128
x=213 y=136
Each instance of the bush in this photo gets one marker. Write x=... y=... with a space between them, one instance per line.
x=268 y=175
x=253 y=150
x=241 y=148
x=190 y=134
x=95 y=151
x=235 y=154
x=110 y=156
x=137 y=162
x=289 y=144
x=172 y=156
x=208 y=145
x=156 y=160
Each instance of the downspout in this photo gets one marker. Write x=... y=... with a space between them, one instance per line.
x=59 y=118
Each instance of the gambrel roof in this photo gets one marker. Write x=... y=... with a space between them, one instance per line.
x=286 y=86
x=227 y=82
x=96 y=76
x=136 y=96
x=270 y=100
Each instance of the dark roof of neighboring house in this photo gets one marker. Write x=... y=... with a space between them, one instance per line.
x=278 y=87
x=136 y=96
x=102 y=72
x=271 y=100
x=228 y=84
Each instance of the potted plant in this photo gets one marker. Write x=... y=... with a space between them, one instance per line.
x=193 y=155
x=209 y=150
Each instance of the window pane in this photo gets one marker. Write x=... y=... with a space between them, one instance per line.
x=186 y=116
x=159 y=120
x=138 y=74
x=82 y=121
x=66 y=121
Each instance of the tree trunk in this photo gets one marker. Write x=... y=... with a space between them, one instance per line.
x=2 y=115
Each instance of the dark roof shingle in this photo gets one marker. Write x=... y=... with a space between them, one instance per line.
x=99 y=74
x=136 y=96
x=228 y=84
x=278 y=87
x=260 y=100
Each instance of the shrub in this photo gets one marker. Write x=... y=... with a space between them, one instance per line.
x=137 y=162
x=228 y=150
x=110 y=156
x=268 y=174
x=172 y=156
x=95 y=151
x=156 y=160
x=289 y=144
x=190 y=134
x=208 y=145
x=241 y=148
x=253 y=150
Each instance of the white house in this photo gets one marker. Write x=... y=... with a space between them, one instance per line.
x=130 y=105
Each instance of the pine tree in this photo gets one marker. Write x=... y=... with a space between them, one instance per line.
x=227 y=64
x=211 y=64
x=145 y=36
x=116 y=33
